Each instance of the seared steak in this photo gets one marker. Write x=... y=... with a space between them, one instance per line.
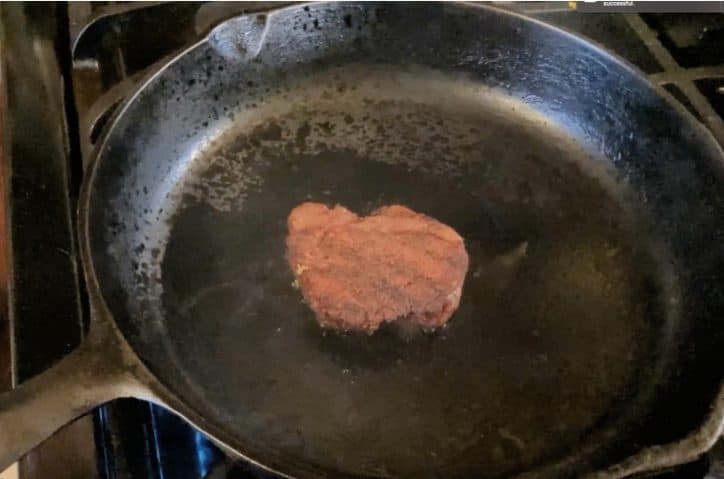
x=358 y=272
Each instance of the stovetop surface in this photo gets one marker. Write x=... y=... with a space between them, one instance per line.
x=103 y=49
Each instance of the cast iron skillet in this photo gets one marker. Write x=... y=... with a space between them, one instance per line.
x=590 y=328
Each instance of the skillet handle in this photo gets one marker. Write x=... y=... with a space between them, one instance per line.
x=88 y=377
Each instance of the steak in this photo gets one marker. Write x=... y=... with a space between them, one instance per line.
x=357 y=273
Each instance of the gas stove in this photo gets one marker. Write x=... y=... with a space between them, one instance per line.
x=72 y=65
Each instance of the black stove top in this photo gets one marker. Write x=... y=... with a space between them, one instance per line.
x=103 y=49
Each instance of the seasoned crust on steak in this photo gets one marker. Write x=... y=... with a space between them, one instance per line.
x=357 y=273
